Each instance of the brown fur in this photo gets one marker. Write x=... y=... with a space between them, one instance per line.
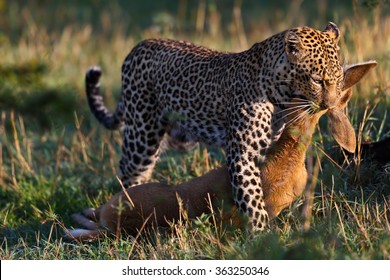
x=283 y=178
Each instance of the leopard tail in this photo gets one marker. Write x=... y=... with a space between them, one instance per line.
x=96 y=103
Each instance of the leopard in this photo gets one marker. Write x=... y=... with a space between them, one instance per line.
x=239 y=101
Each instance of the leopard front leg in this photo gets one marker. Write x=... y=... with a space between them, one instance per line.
x=249 y=136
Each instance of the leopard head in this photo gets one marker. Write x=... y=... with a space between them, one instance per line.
x=316 y=73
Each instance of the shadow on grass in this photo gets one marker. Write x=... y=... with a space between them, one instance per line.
x=24 y=91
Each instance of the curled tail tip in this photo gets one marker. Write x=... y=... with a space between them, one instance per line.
x=92 y=76
x=95 y=100
x=95 y=68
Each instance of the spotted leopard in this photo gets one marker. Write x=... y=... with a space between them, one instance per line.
x=234 y=100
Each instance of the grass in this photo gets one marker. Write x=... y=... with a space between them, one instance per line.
x=56 y=160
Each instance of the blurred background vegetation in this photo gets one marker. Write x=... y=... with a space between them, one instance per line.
x=55 y=159
x=49 y=44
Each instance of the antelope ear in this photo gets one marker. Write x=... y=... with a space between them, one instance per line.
x=333 y=31
x=340 y=125
x=355 y=72
x=345 y=97
x=294 y=46
x=342 y=129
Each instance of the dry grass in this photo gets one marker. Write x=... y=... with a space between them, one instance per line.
x=56 y=160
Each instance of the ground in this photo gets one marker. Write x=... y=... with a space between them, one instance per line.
x=55 y=159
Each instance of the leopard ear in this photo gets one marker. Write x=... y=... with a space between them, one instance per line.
x=333 y=31
x=294 y=46
x=355 y=72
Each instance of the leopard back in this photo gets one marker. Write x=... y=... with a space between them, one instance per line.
x=239 y=101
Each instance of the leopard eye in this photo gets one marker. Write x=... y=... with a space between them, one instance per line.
x=318 y=81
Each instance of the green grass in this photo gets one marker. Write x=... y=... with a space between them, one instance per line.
x=56 y=160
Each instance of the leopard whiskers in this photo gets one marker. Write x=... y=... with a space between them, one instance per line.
x=292 y=106
x=296 y=109
x=293 y=109
x=291 y=115
x=298 y=117
x=295 y=118
x=296 y=100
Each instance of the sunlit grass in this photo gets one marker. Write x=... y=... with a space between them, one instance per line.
x=56 y=160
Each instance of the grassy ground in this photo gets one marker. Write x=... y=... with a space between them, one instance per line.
x=56 y=160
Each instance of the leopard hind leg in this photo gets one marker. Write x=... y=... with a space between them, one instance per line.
x=140 y=152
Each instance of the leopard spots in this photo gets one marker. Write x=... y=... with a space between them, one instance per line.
x=178 y=90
